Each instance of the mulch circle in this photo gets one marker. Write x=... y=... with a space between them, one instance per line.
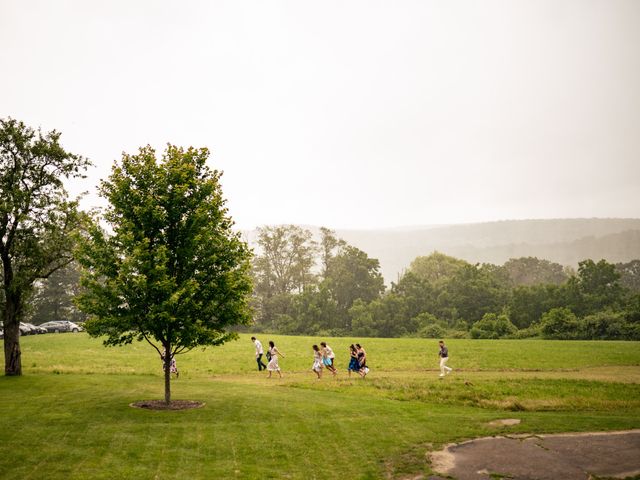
x=161 y=405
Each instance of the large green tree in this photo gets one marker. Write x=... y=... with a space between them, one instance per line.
x=172 y=272
x=282 y=266
x=629 y=275
x=596 y=287
x=353 y=275
x=37 y=219
x=436 y=268
x=534 y=271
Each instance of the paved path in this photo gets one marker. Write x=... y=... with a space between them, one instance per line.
x=542 y=457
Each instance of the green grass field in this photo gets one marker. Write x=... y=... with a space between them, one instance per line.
x=68 y=416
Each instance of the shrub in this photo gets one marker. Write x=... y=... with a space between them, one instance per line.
x=429 y=326
x=456 y=334
x=560 y=324
x=607 y=325
x=432 y=331
x=529 y=332
x=493 y=326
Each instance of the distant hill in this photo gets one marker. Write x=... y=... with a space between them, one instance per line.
x=565 y=241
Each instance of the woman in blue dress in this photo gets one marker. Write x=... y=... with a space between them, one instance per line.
x=354 y=365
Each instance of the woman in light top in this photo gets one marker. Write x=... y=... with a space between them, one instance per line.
x=317 y=361
x=328 y=358
x=273 y=366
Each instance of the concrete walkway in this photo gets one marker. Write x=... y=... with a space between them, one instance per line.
x=542 y=457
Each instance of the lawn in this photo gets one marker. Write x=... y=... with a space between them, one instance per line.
x=68 y=416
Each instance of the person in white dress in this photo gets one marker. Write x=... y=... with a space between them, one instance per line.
x=317 y=361
x=274 y=353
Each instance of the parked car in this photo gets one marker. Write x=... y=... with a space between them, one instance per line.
x=62 y=326
x=26 y=329
x=53 y=327
x=36 y=328
x=72 y=327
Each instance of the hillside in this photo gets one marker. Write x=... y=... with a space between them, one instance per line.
x=566 y=241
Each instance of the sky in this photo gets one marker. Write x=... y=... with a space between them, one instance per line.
x=347 y=114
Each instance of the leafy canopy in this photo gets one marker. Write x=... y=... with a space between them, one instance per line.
x=37 y=220
x=173 y=270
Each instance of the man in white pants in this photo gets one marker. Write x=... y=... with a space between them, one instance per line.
x=444 y=357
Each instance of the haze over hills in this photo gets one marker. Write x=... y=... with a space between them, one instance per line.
x=565 y=241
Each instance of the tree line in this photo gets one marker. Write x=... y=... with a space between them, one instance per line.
x=328 y=287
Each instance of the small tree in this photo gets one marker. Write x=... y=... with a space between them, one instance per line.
x=492 y=325
x=36 y=220
x=560 y=323
x=173 y=272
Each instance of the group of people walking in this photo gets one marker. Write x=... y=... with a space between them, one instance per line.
x=323 y=357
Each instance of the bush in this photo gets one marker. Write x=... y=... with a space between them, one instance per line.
x=607 y=325
x=529 y=332
x=560 y=324
x=429 y=326
x=457 y=334
x=424 y=319
x=432 y=331
x=493 y=326
x=285 y=324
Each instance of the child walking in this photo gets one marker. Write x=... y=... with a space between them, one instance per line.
x=173 y=367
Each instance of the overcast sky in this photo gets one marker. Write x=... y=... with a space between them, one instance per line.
x=349 y=114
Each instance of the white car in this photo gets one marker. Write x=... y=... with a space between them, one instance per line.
x=62 y=326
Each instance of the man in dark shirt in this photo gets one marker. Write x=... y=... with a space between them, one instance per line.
x=444 y=357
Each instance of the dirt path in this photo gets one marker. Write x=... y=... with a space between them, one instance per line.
x=542 y=457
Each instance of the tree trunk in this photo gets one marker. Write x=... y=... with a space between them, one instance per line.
x=167 y=375
x=11 y=319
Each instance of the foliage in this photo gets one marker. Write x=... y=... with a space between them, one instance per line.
x=595 y=288
x=285 y=261
x=286 y=285
x=316 y=309
x=493 y=326
x=53 y=297
x=528 y=303
x=282 y=266
x=433 y=330
x=474 y=291
x=173 y=272
x=629 y=275
x=533 y=271
x=37 y=220
x=608 y=325
x=436 y=268
x=352 y=275
x=559 y=324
